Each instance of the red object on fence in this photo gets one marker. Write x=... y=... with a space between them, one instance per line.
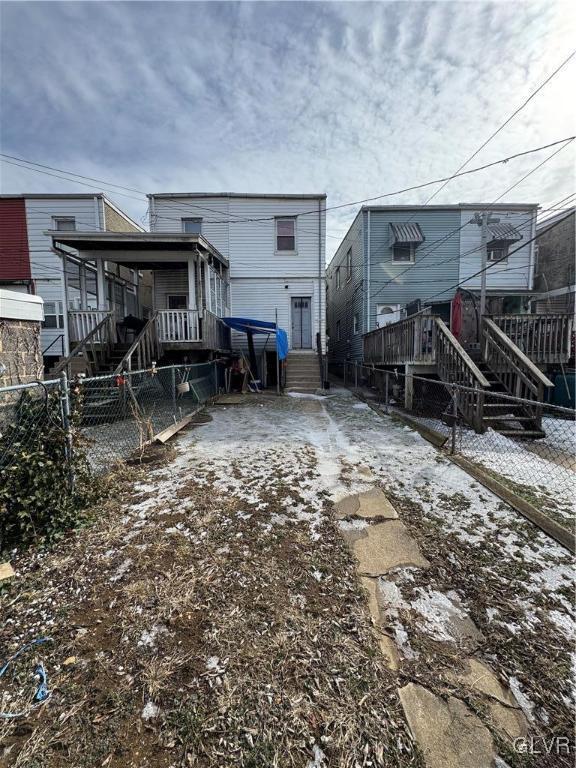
x=456 y=318
x=119 y=380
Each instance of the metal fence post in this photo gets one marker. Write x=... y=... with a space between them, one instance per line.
x=355 y=374
x=386 y=385
x=173 y=376
x=454 y=418
x=345 y=369
x=66 y=423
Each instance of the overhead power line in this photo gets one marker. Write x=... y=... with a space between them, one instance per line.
x=314 y=211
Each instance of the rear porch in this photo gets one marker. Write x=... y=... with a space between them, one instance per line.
x=190 y=295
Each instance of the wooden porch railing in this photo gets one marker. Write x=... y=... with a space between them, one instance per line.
x=95 y=347
x=408 y=341
x=83 y=321
x=516 y=372
x=542 y=338
x=178 y=325
x=213 y=333
x=455 y=366
x=145 y=348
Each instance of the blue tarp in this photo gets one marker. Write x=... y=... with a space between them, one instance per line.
x=248 y=325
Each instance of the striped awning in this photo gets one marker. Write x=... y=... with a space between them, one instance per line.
x=406 y=233
x=503 y=233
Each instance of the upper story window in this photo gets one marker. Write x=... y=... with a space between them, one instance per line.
x=349 y=264
x=286 y=234
x=337 y=277
x=404 y=252
x=497 y=252
x=405 y=238
x=64 y=223
x=192 y=226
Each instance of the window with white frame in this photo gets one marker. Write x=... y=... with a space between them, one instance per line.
x=53 y=315
x=497 y=252
x=64 y=223
x=193 y=226
x=404 y=252
x=286 y=234
x=337 y=277
x=356 y=326
x=338 y=333
x=349 y=264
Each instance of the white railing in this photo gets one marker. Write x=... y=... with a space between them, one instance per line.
x=83 y=322
x=177 y=325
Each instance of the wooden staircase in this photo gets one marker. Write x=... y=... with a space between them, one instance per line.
x=100 y=353
x=487 y=375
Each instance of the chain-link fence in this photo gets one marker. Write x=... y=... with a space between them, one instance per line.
x=528 y=446
x=114 y=416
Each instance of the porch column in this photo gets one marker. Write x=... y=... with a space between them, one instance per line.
x=101 y=285
x=83 y=295
x=191 y=283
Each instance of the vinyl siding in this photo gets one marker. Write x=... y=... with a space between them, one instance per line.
x=517 y=271
x=258 y=273
x=346 y=301
x=168 y=282
x=46 y=265
x=436 y=259
x=556 y=256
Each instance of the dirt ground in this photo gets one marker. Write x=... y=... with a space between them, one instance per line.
x=212 y=614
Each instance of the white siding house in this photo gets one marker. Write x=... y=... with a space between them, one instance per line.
x=514 y=272
x=276 y=248
x=62 y=289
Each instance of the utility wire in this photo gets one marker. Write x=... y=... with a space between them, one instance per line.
x=412 y=188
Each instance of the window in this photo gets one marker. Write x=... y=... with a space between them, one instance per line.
x=349 y=264
x=178 y=301
x=192 y=226
x=285 y=234
x=338 y=330
x=356 y=323
x=64 y=223
x=337 y=278
x=387 y=313
x=497 y=252
x=403 y=252
x=53 y=316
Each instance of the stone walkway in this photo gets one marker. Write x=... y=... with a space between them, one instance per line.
x=449 y=733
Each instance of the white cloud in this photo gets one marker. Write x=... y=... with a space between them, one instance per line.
x=354 y=99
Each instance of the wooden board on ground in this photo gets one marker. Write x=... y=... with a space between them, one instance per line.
x=167 y=433
x=6 y=571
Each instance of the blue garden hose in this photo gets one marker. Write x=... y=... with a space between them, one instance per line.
x=42 y=693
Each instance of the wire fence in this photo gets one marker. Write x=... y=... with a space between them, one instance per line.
x=113 y=417
x=528 y=446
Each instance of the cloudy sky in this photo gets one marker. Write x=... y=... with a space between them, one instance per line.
x=353 y=99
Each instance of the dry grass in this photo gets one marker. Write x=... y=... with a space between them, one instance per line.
x=192 y=600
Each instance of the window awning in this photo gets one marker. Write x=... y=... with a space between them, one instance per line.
x=408 y=233
x=503 y=233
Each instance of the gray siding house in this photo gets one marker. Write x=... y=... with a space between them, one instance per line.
x=394 y=258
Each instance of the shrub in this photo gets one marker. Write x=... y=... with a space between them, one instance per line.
x=38 y=503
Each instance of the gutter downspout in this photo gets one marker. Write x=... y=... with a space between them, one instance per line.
x=368 y=275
